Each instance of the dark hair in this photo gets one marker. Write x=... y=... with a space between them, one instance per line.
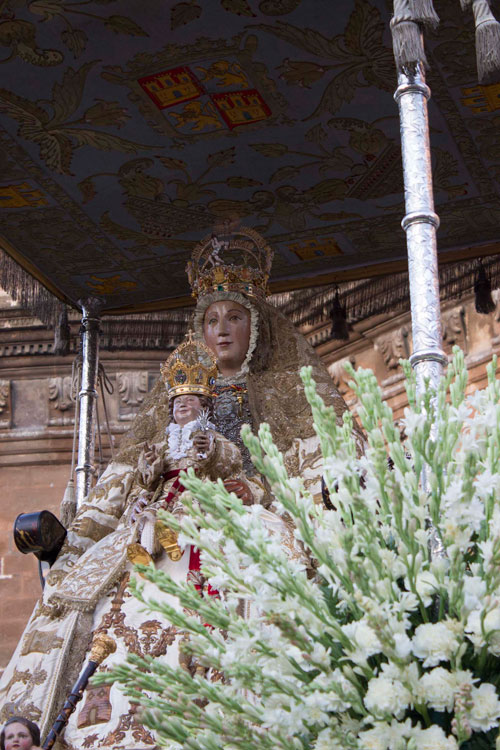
x=30 y=726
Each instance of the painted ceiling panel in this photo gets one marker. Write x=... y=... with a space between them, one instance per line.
x=129 y=130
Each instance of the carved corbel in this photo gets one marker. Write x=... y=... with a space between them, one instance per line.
x=339 y=375
x=132 y=389
x=454 y=327
x=5 y=405
x=61 y=405
x=394 y=346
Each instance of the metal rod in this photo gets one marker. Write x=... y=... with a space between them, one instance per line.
x=420 y=224
x=88 y=396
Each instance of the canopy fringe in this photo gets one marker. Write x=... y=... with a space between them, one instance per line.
x=487 y=41
x=407 y=38
x=28 y=291
x=380 y=295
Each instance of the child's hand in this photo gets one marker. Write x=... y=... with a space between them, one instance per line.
x=141 y=502
x=202 y=442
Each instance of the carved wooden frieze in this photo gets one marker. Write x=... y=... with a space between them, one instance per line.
x=339 y=375
x=394 y=346
x=5 y=405
x=454 y=327
x=61 y=405
x=132 y=389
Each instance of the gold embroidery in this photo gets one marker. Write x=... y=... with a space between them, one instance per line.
x=126 y=724
x=92 y=529
x=97 y=708
x=41 y=642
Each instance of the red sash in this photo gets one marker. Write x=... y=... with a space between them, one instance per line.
x=177 y=489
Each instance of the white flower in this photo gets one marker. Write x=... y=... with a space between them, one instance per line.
x=325 y=740
x=485 y=711
x=364 y=640
x=402 y=645
x=383 y=736
x=434 y=642
x=386 y=696
x=437 y=688
x=413 y=421
x=474 y=590
x=433 y=738
x=426 y=585
x=491 y=628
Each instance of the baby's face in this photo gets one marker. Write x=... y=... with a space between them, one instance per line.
x=186 y=408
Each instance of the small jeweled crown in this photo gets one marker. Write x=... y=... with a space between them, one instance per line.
x=191 y=368
x=236 y=262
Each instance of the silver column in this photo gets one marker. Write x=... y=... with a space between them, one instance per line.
x=420 y=224
x=88 y=396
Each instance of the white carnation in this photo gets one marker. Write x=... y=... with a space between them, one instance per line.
x=386 y=696
x=437 y=688
x=434 y=642
x=383 y=736
x=433 y=738
x=485 y=711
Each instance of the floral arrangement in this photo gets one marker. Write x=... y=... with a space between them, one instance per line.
x=362 y=639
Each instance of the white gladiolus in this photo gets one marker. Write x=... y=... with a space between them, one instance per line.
x=353 y=636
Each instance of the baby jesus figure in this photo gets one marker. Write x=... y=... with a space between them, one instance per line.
x=191 y=441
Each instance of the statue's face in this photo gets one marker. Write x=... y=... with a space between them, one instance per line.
x=17 y=737
x=186 y=408
x=226 y=329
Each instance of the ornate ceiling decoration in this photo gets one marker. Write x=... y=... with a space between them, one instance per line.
x=128 y=130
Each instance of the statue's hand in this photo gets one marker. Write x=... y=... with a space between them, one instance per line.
x=150 y=453
x=202 y=442
x=241 y=489
x=141 y=502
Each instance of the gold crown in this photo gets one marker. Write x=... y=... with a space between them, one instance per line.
x=191 y=368
x=238 y=262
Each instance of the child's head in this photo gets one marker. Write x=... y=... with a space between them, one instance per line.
x=186 y=407
x=20 y=733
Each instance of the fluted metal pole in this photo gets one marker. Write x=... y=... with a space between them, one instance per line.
x=420 y=224
x=88 y=396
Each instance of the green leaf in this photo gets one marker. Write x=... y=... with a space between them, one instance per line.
x=124 y=25
x=184 y=13
x=106 y=113
x=270 y=149
x=47 y=8
x=285 y=173
x=241 y=182
x=87 y=189
x=105 y=141
x=170 y=163
x=221 y=158
x=239 y=7
x=67 y=95
x=75 y=40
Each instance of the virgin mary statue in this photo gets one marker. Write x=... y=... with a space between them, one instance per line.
x=259 y=354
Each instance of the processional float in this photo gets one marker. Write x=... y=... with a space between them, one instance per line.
x=410 y=20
